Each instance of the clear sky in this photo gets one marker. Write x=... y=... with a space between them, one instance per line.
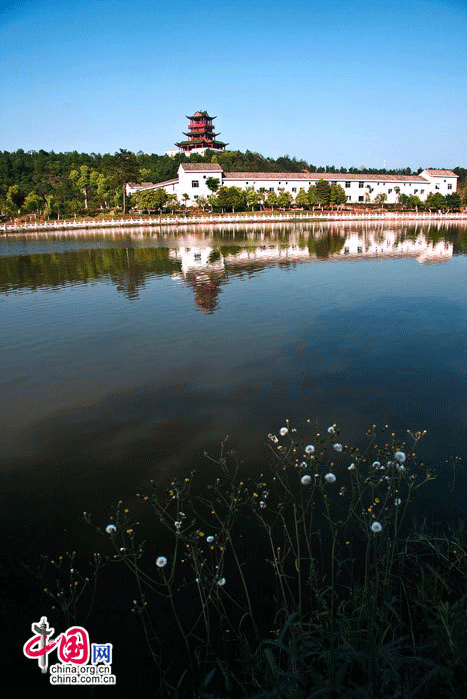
x=332 y=82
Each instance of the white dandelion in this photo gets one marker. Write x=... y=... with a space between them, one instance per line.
x=330 y=478
x=352 y=467
x=400 y=457
x=331 y=430
x=376 y=527
x=305 y=480
x=209 y=539
x=283 y=431
x=397 y=502
x=111 y=529
x=161 y=561
x=376 y=464
x=309 y=449
x=338 y=447
x=221 y=582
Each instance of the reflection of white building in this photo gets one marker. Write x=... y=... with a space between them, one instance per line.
x=192 y=179
x=201 y=258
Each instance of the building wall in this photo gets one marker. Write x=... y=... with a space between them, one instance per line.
x=192 y=181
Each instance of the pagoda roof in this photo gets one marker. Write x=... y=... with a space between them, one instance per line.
x=198 y=115
x=200 y=133
x=197 y=141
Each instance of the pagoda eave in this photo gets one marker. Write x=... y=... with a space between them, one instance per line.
x=201 y=115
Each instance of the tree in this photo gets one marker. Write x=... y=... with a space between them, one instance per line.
x=453 y=201
x=337 y=195
x=312 y=195
x=301 y=199
x=251 y=196
x=284 y=199
x=32 y=203
x=380 y=199
x=14 y=199
x=172 y=201
x=435 y=200
x=152 y=199
x=212 y=183
x=271 y=199
x=125 y=169
x=323 y=192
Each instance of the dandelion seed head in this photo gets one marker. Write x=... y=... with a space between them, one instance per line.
x=376 y=527
x=221 y=582
x=337 y=447
x=111 y=529
x=161 y=561
x=209 y=539
x=283 y=431
x=309 y=449
x=331 y=430
x=400 y=457
x=376 y=464
x=305 y=480
x=262 y=504
x=397 y=502
x=330 y=478
x=351 y=467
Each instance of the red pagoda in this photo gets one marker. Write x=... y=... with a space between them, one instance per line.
x=201 y=134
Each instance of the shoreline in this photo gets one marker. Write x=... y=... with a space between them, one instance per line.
x=158 y=221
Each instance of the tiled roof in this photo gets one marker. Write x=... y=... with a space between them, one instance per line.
x=315 y=176
x=150 y=185
x=205 y=167
x=441 y=173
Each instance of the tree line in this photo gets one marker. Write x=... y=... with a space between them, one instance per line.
x=65 y=184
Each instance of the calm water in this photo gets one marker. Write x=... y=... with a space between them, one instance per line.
x=124 y=356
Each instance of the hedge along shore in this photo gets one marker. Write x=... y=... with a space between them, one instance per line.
x=231 y=218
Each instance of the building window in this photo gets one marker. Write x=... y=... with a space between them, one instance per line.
x=347 y=184
x=360 y=250
x=195 y=183
x=361 y=185
x=360 y=198
x=422 y=191
x=271 y=189
x=294 y=189
x=449 y=186
x=349 y=198
x=196 y=196
x=389 y=191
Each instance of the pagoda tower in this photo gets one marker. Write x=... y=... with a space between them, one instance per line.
x=201 y=135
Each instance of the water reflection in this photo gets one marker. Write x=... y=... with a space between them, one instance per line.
x=205 y=259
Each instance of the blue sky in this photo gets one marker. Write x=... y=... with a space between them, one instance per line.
x=335 y=83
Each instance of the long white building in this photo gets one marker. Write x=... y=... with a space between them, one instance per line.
x=359 y=188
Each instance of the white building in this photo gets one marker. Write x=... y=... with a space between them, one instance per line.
x=192 y=179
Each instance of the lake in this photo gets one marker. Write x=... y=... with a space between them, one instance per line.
x=126 y=355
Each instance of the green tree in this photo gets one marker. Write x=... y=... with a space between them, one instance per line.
x=312 y=195
x=152 y=199
x=435 y=200
x=251 y=197
x=337 y=195
x=14 y=199
x=212 y=183
x=380 y=199
x=301 y=199
x=271 y=199
x=453 y=201
x=323 y=192
x=32 y=203
x=124 y=170
x=284 y=199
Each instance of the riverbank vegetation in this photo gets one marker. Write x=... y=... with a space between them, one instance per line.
x=308 y=579
x=63 y=185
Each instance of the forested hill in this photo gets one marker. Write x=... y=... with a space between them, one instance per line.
x=70 y=180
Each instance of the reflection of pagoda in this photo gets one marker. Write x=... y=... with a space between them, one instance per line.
x=201 y=135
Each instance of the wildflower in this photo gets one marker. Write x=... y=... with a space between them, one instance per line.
x=178 y=525
x=342 y=491
x=331 y=430
x=221 y=582
x=305 y=480
x=273 y=438
x=399 y=456
x=330 y=478
x=303 y=464
x=310 y=449
x=376 y=464
x=338 y=447
x=111 y=529
x=376 y=527
x=262 y=504
x=209 y=539
x=351 y=467
x=161 y=561
x=400 y=467
x=283 y=431
x=397 y=502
